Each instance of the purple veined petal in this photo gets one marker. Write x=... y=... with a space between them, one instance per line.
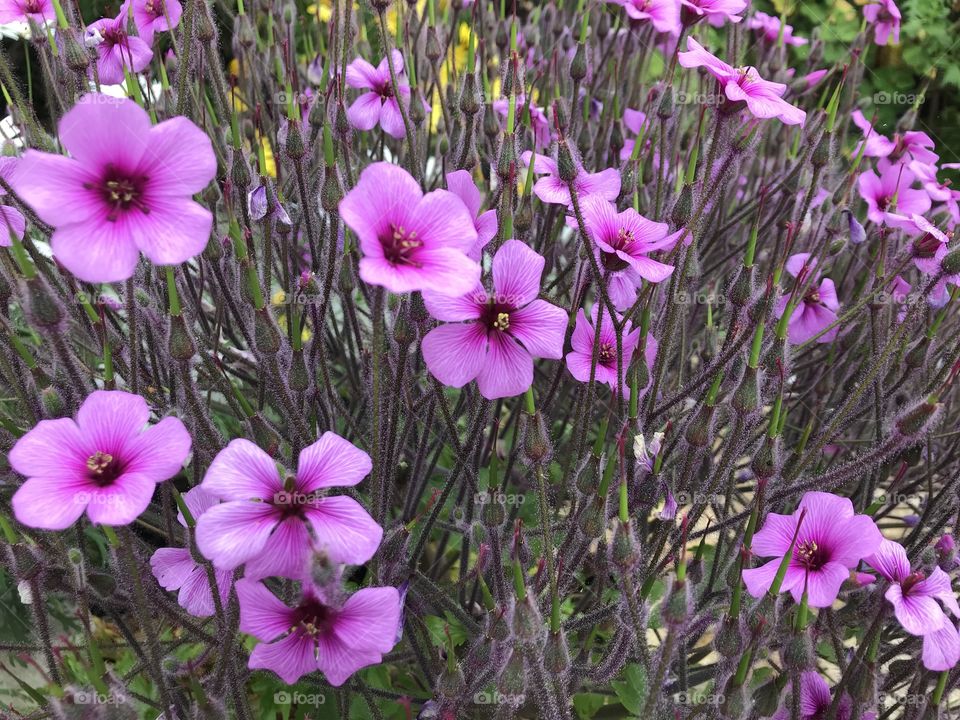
x=918 y=614
x=174 y=231
x=11 y=221
x=242 y=471
x=541 y=327
x=461 y=184
x=647 y=268
x=179 y=159
x=338 y=661
x=605 y=184
x=110 y=420
x=160 y=450
x=98 y=252
x=369 y=618
x=195 y=595
x=52 y=448
x=121 y=502
x=286 y=553
x=815 y=694
x=332 y=461
x=291 y=658
x=890 y=560
x=231 y=533
x=383 y=69
x=446 y=269
x=808 y=319
x=391 y=119
x=455 y=353
x=775 y=537
x=552 y=190
x=54 y=187
x=583 y=335
x=938 y=585
x=364 y=112
x=580 y=364
x=171 y=567
x=911 y=201
x=384 y=196
x=633 y=120
x=262 y=614
x=760 y=579
x=101 y=129
x=517 y=270
x=542 y=164
x=508 y=370
x=828 y=295
x=198 y=501
x=450 y=308
x=486 y=227
x=848 y=541
x=823 y=584
x=441 y=220
x=343 y=529
x=941 y=649
x=50 y=503
x=361 y=74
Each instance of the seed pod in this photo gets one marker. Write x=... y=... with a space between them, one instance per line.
x=951 y=263
x=43 y=309
x=683 y=207
x=675 y=611
x=578 y=66
x=332 y=192
x=918 y=420
x=745 y=397
x=240 y=172
x=665 y=108
x=298 y=376
x=566 y=165
x=556 y=654
x=624 y=551
x=537 y=448
x=528 y=626
x=728 y=640
x=179 y=342
x=294 y=146
x=265 y=332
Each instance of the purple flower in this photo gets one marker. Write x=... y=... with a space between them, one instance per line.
x=831 y=541
x=127 y=189
x=930 y=246
x=716 y=12
x=317 y=635
x=116 y=50
x=410 y=241
x=106 y=462
x=664 y=15
x=542 y=129
x=23 y=10
x=258 y=204
x=885 y=18
x=11 y=219
x=273 y=522
x=912 y=145
x=553 y=190
x=815 y=311
x=152 y=16
x=461 y=184
x=494 y=337
x=891 y=192
x=175 y=568
x=580 y=360
x=633 y=121
x=816 y=699
x=378 y=104
x=768 y=27
x=762 y=98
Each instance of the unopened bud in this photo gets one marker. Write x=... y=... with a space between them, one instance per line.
x=537 y=448
x=179 y=342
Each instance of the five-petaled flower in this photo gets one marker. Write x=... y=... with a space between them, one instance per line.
x=153 y=16
x=39 y=11
x=552 y=189
x=584 y=343
x=379 y=104
x=117 y=51
x=813 y=312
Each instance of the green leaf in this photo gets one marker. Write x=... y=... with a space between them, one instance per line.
x=632 y=690
x=586 y=705
x=438 y=629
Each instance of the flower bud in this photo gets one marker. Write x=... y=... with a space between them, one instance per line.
x=179 y=342
x=52 y=402
x=433 y=50
x=728 y=639
x=675 y=611
x=332 y=192
x=797 y=651
x=918 y=420
x=537 y=448
x=294 y=144
x=556 y=654
x=578 y=66
x=43 y=309
x=75 y=55
x=265 y=332
x=624 y=550
x=745 y=397
x=665 y=108
x=528 y=624
x=298 y=376
x=951 y=263
x=566 y=165
x=683 y=207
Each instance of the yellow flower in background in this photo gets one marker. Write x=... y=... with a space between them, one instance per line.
x=322 y=10
x=279 y=298
x=269 y=163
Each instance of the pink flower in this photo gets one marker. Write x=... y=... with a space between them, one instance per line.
x=930 y=246
x=378 y=104
x=831 y=541
x=580 y=360
x=106 y=462
x=664 y=15
x=816 y=699
x=152 y=16
x=116 y=50
x=461 y=184
x=335 y=639
x=744 y=85
x=627 y=238
x=815 y=311
x=273 y=523
x=885 y=18
x=410 y=241
x=552 y=190
x=890 y=193
x=39 y=11
x=494 y=337
x=768 y=27
x=542 y=129
x=128 y=188
x=716 y=12
x=912 y=145
x=11 y=219
x=175 y=568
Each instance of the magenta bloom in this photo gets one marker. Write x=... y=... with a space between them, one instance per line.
x=378 y=104
x=893 y=184
x=11 y=219
x=273 y=523
x=580 y=360
x=410 y=241
x=23 y=10
x=716 y=12
x=153 y=16
x=552 y=190
x=316 y=635
x=128 y=188
x=912 y=145
x=540 y=123
x=768 y=27
x=816 y=699
x=175 y=568
x=762 y=98
x=627 y=238
x=106 y=462
x=664 y=15
x=817 y=310
x=885 y=18
x=461 y=184
x=831 y=541
x=116 y=50
x=494 y=337
x=633 y=121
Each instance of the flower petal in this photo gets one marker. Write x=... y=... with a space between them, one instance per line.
x=332 y=461
x=455 y=353
x=344 y=529
x=231 y=533
x=242 y=471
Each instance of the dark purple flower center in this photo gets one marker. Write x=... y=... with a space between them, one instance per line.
x=495 y=316
x=907 y=584
x=313 y=617
x=812 y=296
x=811 y=555
x=385 y=90
x=114 y=35
x=400 y=245
x=607 y=354
x=121 y=191
x=611 y=261
x=291 y=502
x=32 y=7
x=103 y=468
x=926 y=247
x=154 y=8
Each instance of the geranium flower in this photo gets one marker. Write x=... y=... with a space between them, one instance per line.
x=930 y=245
x=39 y=11
x=11 y=219
x=106 y=462
x=816 y=699
x=273 y=523
x=716 y=12
x=128 y=188
x=552 y=190
x=117 y=50
x=768 y=27
x=175 y=569
x=317 y=635
x=153 y=16
x=913 y=145
x=891 y=193
x=885 y=18
x=461 y=184
x=540 y=123
x=830 y=543
x=580 y=360
x=379 y=104
x=410 y=241
x=815 y=311
x=633 y=121
x=664 y=15
x=494 y=337
x=762 y=98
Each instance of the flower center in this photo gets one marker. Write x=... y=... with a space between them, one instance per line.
x=607 y=354
x=290 y=501
x=103 y=468
x=400 y=245
x=154 y=7
x=613 y=262
x=496 y=316
x=812 y=296
x=32 y=7
x=114 y=35
x=927 y=246
x=912 y=579
x=313 y=617
x=810 y=555
x=121 y=191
